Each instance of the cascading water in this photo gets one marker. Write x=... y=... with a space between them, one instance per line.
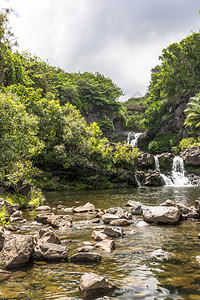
x=133 y=138
x=178 y=176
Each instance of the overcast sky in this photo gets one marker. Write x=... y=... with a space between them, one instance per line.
x=121 y=39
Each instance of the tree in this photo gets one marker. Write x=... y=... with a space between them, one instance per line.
x=193 y=112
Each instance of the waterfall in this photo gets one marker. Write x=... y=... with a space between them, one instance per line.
x=178 y=176
x=138 y=183
x=178 y=172
x=133 y=138
x=166 y=180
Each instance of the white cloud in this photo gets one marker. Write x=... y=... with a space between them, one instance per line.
x=121 y=39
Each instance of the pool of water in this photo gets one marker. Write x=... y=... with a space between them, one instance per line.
x=128 y=266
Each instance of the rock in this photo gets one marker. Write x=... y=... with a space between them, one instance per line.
x=191 y=156
x=197 y=205
x=136 y=207
x=17 y=217
x=146 y=160
x=161 y=255
x=2 y=238
x=106 y=245
x=121 y=213
x=120 y=222
x=199 y=236
x=198 y=258
x=92 y=285
x=168 y=203
x=85 y=257
x=192 y=213
x=107 y=218
x=61 y=207
x=165 y=160
x=153 y=178
x=56 y=221
x=85 y=208
x=12 y=228
x=113 y=231
x=142 y=224
x=47 y=235
x=84 y=249
x=17 y=251
x=43 y=208
x=184 y=210
x=66 y=209
x=98 y=235
x=49 y=251
x=161 y=214
x=95 y=220
x=10 y=208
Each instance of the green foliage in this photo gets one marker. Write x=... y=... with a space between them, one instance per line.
x=153 y=116
x=4 y=218
x=188 y=142
x=106 y=126
x=193 y=112
x=163 y=142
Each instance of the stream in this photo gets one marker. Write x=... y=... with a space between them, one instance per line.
x=128 y=266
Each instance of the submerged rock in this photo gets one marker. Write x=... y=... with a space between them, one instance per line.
x=120 y=222
x=49 y=251
x=161 y=255
x=113 y=231
x=92 y=285
x=161 y=214
x=43 y=208
x=85 y=257
x=98 y=235
x=16 y=251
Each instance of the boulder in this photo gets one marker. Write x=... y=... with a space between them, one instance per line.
x=56 y=221
x=85 y=257
x=191 y=156
x=98 y=235
x=121 y=213
x=168 y=202
x=92 y=285
x=120 y=222
x=142 y=224
x=47 y=235
x=161 y=214
x=95 y=220
x=84 y=249
x=85 y=208
x=43 y=208
x=153 y=178
x=107 y=218
x=146 y=160
x=10 y=208
x=161 y=255
x=136 y=207
x=2 y=238
x=106 y=245
x=113 y=231
x=165 y=160
x=49 y=251
x=16 y=251
x=17 y=217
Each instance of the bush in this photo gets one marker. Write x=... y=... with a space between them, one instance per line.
x=163 y=142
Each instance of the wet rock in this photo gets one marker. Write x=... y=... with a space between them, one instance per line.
x=2 y=238
x=184 y=210
x=146 y=160
x=43 y=208
x=142 y=224
x=65 y=209
x=191 y=156
x=92 y=285
x=161 y=214
x=16 y=251
x=47 y=235
x=12 y=228
x=191 y=214
x=85 y=208
x=98 y=235
x=56 y=221
x=120 y=223
x=49 y=251
x=107 y=218
x=161 y=255
x=121 y=213
x=95 y=220
x=198 y=258
x=10 y=208
x=136 y=208
x=17 y=217
x=61 y=207
x=84 y=249
x=153 y=178
x=113 y=231
x=197 y=205
x=168 y=202
x=106 y=245
x=85 y=257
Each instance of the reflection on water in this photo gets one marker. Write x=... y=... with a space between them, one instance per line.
x=128 y=266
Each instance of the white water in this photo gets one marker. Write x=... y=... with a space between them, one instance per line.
x=133 y=138
x=178 y=176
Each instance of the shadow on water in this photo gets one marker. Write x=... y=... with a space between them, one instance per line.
x=128 y=266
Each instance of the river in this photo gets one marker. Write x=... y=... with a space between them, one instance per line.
x=128 y=266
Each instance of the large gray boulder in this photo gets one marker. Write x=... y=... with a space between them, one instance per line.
x=49 y=251
x=95 y=285
x=161 y=214
x=16 y=251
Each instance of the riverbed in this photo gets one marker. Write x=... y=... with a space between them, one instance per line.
x=128 y=266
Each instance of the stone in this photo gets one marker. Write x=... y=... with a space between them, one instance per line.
x=191 y=156
x=85 y=208
x=168 y=202
x=153 y=178
x=121 y=213
x=17 y=217
x=85 y=257
x=191 y=214
x=199 y=236
x=92 y=285
x=95 y=220
x=146 y=160
x=84 y=249
x=113 y=231
x=98 y=235
x=12 y=228
x=106 y=245
x=10 y=208
x=43 y=208
x=198 y=258
x=136 y=207
x=142 y=224
x=161 y=214
x=197 y=205
x=120 y=222
x=161 y=255
x=49 y=251
x=16 y=251
x=56 y=221
x=47 y=235
x=2 y=238
x=107 y=218
x=184 y=210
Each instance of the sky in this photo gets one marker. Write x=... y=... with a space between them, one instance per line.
x=121 y=39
